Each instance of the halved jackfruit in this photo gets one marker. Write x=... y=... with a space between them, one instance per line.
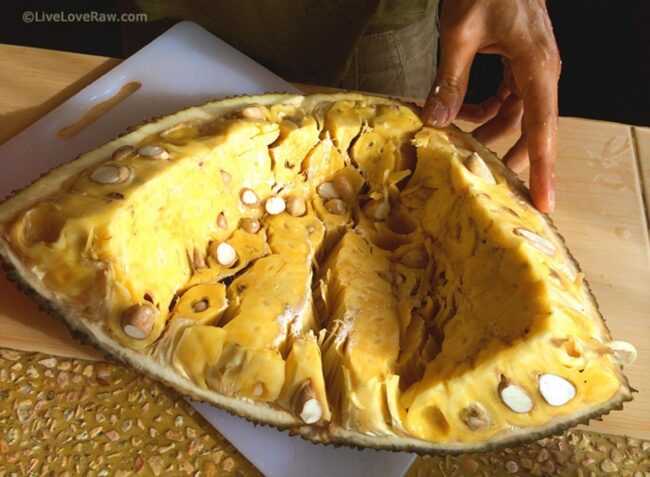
x=322 y=263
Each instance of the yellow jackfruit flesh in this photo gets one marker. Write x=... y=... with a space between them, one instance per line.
x=322 y=263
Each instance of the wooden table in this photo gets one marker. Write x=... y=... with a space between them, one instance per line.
x=603 y=171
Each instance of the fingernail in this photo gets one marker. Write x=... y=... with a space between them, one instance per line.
x=551 y=200
x=438 y=113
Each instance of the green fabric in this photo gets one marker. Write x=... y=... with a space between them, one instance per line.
x=301 y=40
x=396 y=14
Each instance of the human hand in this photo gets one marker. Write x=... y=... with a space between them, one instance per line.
x=521 y=32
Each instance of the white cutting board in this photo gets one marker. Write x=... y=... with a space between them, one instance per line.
x=185 y=66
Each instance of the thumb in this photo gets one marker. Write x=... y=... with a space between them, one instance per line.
x=448 y=91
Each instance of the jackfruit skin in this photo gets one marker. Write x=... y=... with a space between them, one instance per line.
x=263 y=412
x=334 y=436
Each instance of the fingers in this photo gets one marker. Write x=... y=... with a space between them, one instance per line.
x=507 y=120
x=522 y=33
x=479 y=113
x=508 y=78
x=457 y=52
x=517 y=157
x=538 y=83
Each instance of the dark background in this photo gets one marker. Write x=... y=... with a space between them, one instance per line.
x=605 y=48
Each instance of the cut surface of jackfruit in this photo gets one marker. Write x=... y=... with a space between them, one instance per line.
x=322 y=263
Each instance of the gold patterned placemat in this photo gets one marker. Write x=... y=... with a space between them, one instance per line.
x=575 y=454
x=70 y=417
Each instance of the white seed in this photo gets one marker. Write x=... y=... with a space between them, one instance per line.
x=110 y=174
x=327 y=191
x=625 y=351
x=222 y=222
x=307 y=405
x=537 y=241
x=248 y=197
x=376 y=209
x=134 y=332
x=153 y=152
x=381 y=212
x=336 y=207
x=275 y=205
x=253 y=112
x=225 y=177
x=515 y=397
x=258 y=390
x=121 y=152
x=311 y=411
x=343 y=187
x=475 y=417
x=226 y=254
x=138 y=320
x=556 y=390
x=477 y=166
x=296 y=206
x=200 y=306
x=252 y=226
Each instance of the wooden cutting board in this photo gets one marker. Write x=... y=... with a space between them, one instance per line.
x=600 y=212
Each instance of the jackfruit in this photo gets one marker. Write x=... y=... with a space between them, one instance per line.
x=322 y=263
